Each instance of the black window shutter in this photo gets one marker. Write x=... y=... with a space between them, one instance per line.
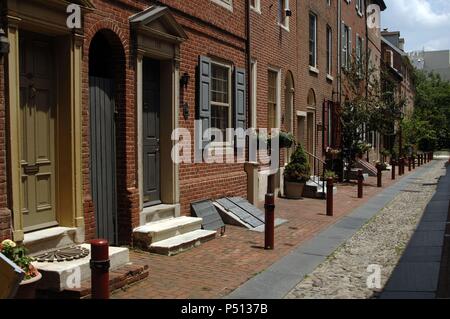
x=240 y=91
x=204 y=92
x=326 y=109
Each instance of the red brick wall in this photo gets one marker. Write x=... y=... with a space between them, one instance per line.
x=209 y=181
x=322 y=87
x=5 y=214
x=213 y=31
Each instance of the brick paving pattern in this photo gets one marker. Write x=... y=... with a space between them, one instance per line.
x=218 y=267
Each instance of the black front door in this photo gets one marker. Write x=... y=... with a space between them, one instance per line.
x=150 y=126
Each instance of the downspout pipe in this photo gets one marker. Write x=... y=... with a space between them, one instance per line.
x=339 y=50
x=249 y=64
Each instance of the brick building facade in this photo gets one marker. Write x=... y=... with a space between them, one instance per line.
x=100 y=166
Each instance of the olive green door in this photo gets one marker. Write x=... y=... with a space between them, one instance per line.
x=37 y=110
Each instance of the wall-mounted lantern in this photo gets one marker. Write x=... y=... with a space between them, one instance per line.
x=184 y=82
x=4 y=43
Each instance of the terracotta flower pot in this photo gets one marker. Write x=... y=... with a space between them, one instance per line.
x=27 y=288
x=293 y=190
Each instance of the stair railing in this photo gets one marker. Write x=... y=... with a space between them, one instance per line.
x=318 y=167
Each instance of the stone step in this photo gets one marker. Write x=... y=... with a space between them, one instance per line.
x=59 y=276
x=180 y=243
x=150 y=233
x=50 y=238
x=158 y=213
x=314 y=191
x=118 y=279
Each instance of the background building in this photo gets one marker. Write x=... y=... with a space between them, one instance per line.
x=432 y=61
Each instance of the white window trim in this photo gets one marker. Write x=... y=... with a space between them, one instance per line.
x=330 y=56
x=278 y=106
x=224 y=4
x=229 y=142
x=285 y=23
x=254 y=75
x=257 y=7
x=314 y=67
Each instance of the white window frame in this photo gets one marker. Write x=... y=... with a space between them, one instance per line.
x=278 y=106
x=227 y=4
x=360 y=7
x=256 y=7
x=330 y=50
x=315 y=39
x=283 y=20
x=254 y=93
x=345 y=50
x=228 y=140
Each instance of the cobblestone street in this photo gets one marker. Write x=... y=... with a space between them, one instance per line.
x=220 y=266
x=380 y=242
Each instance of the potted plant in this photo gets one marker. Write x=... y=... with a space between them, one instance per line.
x=332 y=153
x=18 y=255
x=296 y=174
x=330 y=174
x=362 y=148
x=285 y=140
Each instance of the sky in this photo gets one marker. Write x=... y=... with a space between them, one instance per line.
x=425 y=24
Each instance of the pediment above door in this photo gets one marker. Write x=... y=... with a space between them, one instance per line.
x=158 y=22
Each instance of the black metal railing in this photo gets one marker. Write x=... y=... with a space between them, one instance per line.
x=317 y=169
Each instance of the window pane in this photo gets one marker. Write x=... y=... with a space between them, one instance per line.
x=219 y=118
x=219 y=84
x=272 y=100
x=312 y=40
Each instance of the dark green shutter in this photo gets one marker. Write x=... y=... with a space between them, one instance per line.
x=204 y=92
x=240 y=109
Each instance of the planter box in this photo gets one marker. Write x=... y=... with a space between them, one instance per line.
x=293 y=190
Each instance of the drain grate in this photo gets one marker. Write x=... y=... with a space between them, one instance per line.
x=62 y=254
x=429 y=184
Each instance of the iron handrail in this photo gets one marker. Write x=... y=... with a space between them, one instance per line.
x=317 y=172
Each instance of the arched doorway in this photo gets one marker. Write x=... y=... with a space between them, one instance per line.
x=310 y=126
x=106 y=69
x=289 y=108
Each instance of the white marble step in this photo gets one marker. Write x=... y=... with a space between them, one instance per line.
x=49 y=238
x=180 y=243
x=68 y=274
x=150 y=233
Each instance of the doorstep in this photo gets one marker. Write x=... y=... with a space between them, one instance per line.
x=118 y=279
x=49 y=238
x=59 y=276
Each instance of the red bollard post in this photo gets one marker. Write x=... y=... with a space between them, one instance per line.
x=100 y=269
x=379 y=176
x=418 y=160
x=330 y=186
x=414 y=162
x=360 y=183
x=409 y=164
x=393 y=169
x=269 y=206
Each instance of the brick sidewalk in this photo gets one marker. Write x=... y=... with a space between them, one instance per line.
x=218 y=267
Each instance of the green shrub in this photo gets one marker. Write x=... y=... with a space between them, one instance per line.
x=298 y=169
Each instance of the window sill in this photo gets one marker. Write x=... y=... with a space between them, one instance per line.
x=286 y=28
x=313 y=69
x=256 y=10
x=229 y=7
x=330 y=78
